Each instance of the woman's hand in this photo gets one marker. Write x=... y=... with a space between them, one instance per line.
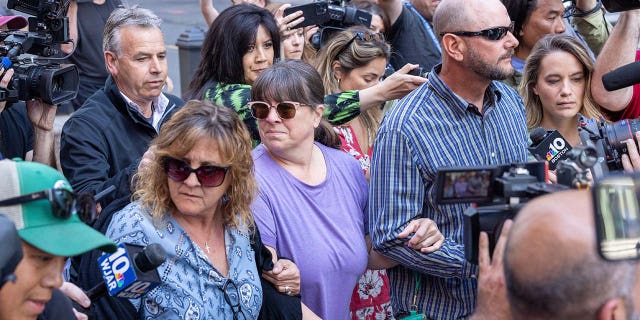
x=401 y=83
x=426 y=236
x=285 y=276
x=395 y=86
x=286 y=24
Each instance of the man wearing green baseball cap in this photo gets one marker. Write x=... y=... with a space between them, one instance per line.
x=40 y=202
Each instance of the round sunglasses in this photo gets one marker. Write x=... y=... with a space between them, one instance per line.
x=208 y=175
x=285 y=109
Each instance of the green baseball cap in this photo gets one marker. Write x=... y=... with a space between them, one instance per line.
x=35 y=220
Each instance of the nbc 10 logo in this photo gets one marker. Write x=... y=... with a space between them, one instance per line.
x=555 y=147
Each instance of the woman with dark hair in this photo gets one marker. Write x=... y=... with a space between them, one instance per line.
x=533 y=19
x=346 y=64
x=241 y=43
x=319 y=220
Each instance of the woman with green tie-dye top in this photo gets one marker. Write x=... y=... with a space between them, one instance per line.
x=243 y=41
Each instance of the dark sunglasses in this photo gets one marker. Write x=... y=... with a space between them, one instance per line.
x=62 y=201
x=208 y=175
x=493 y=34
x=362 y=36
x=285 y=109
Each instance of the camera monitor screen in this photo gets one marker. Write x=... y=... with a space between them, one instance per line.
x=464 y=185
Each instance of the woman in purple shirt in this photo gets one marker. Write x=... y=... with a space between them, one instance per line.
x=312 y=198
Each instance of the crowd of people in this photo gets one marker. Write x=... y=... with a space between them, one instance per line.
x=297 y=178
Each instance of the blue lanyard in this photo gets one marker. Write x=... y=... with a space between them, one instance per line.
x=425 y=25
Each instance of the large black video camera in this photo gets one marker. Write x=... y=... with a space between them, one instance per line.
x=499 y=192
x=330 y=16
x=37 y=72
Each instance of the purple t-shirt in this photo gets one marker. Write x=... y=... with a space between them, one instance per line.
x=320 y=227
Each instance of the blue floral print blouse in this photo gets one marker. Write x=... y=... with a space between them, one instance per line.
x=191 y=286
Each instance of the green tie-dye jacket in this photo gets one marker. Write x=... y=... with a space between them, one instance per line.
x=340 y=108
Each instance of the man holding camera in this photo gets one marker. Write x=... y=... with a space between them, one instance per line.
x=26 y=131
x=551 y=267
x=103 y=142
x=462 y=116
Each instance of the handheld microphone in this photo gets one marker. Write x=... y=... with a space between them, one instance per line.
x=622 y=77
x=129 y=278
x=548 y=146
x=11 y=252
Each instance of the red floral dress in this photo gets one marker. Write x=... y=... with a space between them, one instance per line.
x=370 y=299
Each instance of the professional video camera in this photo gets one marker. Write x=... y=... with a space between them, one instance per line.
x=498 y=192
x=38 y=74
x=330 y=16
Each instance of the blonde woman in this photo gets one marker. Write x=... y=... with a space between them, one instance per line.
x=193 y=198
x=556 y=86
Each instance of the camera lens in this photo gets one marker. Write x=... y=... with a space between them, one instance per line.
x=619 y=132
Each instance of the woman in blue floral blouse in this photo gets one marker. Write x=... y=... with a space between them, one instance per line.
x=192 y=197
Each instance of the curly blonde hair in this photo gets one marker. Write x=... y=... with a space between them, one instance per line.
x=547 y=45
x=195 y=121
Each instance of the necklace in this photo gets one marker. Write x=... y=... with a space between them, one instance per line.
x=206 y=247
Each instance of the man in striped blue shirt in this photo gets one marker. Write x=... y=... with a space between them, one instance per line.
x=459 y=117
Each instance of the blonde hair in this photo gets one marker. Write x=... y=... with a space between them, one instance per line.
x=547 y=45
x=195 y=121
x=358 y=54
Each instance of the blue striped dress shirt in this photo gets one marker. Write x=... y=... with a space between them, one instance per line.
x=434 y=128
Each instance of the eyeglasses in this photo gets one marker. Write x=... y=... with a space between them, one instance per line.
x=285 y=109
x=208 y=175
x=362 y=36
x=232 y=298
x=62 y=201
x=493 y=34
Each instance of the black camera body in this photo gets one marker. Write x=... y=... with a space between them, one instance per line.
x=330 y=16
x=609 y=140
x=330 y=13
x=37 y=72
x=499 y=192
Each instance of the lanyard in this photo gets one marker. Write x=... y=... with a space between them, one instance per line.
x=426 y=26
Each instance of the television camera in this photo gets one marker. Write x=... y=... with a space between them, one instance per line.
x=498 y=192
x=38 y=72
x=330 y=16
